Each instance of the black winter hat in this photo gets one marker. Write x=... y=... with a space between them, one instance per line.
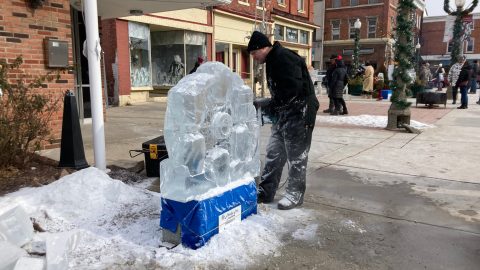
x=258 y=41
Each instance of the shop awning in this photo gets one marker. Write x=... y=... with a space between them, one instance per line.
x=121 y=8
x=92 y=9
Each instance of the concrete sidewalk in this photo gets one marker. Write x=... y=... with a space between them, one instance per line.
x=416 y=197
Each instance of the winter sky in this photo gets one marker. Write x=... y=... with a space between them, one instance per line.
x=435 y=7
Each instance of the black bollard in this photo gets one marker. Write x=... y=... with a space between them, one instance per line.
x=72 y=154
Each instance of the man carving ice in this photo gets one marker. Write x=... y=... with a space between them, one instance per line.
x=293 y=108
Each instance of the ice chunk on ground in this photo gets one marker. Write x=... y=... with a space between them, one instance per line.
x=58 y=247
x=29 y=263
x=15 y=225
x=9 y=254
x=217 y=166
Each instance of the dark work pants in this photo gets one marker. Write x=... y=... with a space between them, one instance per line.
x=340 y=105
x=454 y=93
x=464 y=93
x=290 y=141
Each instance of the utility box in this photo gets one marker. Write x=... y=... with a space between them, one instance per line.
x=155 y=151
x=57 y=53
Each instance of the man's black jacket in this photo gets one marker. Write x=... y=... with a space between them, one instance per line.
x=290 y=84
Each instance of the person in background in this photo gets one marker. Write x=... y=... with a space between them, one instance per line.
x=453 y=77
x=294 y=106
x=380 y=75
x=473 y=79
x=368 y=80
x=337 y=84
x=197 y=64
x=440 y=76
x=328 y=76
x=463 y=83
x=424 y=75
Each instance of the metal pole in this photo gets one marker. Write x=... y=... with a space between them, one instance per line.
x=94 y=54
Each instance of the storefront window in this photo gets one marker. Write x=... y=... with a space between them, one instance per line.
x=279 y=35
x=303 y=37
x=139 y=37
x=292 y=34
x=222 y=52
x=174 y=54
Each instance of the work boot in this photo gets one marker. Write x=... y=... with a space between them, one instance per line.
x=478 y=102
x=335 y=112
x=263 y=198
x=290 y=201
x=345 y=112
x=327 y=111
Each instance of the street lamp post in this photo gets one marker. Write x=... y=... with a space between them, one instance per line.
x=417 y=48
x=356 y=50
x=460 y=13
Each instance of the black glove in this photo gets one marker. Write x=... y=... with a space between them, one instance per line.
x=262 y=102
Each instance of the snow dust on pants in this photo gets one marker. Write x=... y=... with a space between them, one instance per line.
x=290 y=141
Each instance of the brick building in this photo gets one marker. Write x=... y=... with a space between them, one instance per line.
x=436 y=49
x=140 y=51
x=25 y=31
x=378 y=22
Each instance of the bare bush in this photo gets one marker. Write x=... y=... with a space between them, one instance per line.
x=25 y=113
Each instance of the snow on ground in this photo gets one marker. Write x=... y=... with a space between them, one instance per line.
x=365 y=120
x=117 y=226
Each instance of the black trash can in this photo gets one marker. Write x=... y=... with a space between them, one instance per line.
x=154 y=151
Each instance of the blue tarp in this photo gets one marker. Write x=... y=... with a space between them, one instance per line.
x=199 y=219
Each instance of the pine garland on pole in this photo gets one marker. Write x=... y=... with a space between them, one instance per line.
x=404 y=49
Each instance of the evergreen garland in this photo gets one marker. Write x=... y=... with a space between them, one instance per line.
x=356 y=51
x=404 y=50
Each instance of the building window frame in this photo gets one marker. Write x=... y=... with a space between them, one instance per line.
x=371 y=2
x=449 y=47
x=354 y=3
x=470 y=43
x=301 y=6
x=244 y=2
x=372 y=29
x=335 y=32
x=351 y=28
x=336 y=3
x=281 y=3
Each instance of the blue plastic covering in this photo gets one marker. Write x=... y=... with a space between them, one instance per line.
x=199 y=219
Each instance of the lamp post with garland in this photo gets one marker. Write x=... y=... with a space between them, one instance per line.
x=460 y=13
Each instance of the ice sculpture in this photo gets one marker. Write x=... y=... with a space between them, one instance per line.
x=211 y=133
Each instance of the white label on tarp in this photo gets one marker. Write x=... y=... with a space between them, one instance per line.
x=230 y=217
x=55 y=44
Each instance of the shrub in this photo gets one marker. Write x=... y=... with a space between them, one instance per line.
x=25 y=114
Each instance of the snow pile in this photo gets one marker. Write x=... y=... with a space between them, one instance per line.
x=108 y=224
x=366 y=121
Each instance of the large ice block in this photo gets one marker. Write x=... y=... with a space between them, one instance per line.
x=177 y=184
x=189 y=150
x=241 y=143
x=9 y=254
x=241 y=104
x=217 y=166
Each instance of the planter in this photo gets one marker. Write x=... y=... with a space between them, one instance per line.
x=355 y=90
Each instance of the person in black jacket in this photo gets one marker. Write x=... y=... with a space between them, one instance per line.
x=336 y=86
x=463 y=82
x=294 y=106
x=328 y=76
